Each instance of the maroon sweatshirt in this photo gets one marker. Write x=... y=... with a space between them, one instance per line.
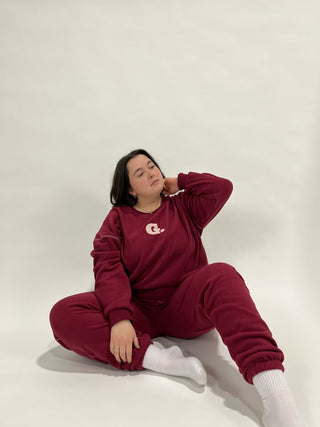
x=145 y=256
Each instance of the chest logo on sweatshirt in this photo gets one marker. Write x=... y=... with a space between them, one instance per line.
x=154 y=229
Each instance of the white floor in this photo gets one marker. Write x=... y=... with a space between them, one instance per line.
x=230 y=88
x=44 y=384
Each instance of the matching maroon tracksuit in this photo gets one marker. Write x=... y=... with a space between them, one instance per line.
x=152 y=269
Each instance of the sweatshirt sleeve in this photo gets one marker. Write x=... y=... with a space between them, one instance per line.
x=204 y=195
x=112 y=285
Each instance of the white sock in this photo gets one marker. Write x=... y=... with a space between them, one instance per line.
x=279 y=407
x=158 y=344
x=171 y=361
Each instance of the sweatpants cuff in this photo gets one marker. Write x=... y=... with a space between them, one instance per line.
x=262 y=366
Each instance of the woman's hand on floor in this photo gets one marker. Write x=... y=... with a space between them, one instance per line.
x=123 y=337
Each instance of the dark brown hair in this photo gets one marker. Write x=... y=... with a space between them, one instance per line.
x=119 y=194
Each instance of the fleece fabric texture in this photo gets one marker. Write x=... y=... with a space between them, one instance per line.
x=152 y=269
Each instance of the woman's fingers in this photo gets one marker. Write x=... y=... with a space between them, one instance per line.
x=123 y=353
x=170 y=186
x=136 y=342
x=129 y=348
x=116 y=352
x=129 y=353
x=123 y=338
x=119 y=352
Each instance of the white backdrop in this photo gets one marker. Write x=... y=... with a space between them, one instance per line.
x=230 y=88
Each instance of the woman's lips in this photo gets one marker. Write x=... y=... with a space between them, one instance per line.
x=155 y=182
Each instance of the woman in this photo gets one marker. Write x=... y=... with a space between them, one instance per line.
x=152 y=278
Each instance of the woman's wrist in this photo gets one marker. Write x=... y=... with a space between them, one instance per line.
x=121 y=322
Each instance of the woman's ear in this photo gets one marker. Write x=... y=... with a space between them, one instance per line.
x=131 y=192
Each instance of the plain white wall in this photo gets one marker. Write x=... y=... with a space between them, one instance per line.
x=230 y=88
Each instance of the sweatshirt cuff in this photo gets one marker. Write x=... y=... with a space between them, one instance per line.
x=182 y=181
x=119 y=314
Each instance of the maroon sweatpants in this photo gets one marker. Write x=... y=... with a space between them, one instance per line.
x=215 y=296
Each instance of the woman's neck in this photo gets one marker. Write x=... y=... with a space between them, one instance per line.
x=148 y=206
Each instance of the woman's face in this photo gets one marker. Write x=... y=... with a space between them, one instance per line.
x=146 y=180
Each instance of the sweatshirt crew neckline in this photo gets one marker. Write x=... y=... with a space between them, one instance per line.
x=164 y=199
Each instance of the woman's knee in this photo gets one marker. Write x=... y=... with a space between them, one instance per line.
x=59 y=312
x=225 y=270
x=70 y=308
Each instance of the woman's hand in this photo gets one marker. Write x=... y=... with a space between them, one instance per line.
x=123 y=336
x=170 y=186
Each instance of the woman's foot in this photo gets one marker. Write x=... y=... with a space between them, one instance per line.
x=171 y=361
x=279 y=407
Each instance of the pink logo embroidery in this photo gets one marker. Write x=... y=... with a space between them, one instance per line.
x=154 y=229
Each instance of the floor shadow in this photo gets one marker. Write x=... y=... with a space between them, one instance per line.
x=59 y=359
x=224 y=379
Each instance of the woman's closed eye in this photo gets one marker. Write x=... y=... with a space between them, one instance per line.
x=141 y=174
